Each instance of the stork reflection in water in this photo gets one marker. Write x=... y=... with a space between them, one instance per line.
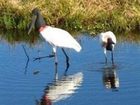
x=110 y=78
x=61 y=89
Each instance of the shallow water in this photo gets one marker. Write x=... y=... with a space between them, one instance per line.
x=88 y=80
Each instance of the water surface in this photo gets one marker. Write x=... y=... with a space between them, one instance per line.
x=88 y=80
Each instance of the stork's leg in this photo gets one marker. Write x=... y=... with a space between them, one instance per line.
x=105 y=55
x=39 y=58
x=55 y=58
x=105 y=58
x=67 y=59
x=48 y=56
x=56 y=71
x=112 y=57
x=55 y=55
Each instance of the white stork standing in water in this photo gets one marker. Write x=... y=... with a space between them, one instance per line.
x=108 y=41
x=54 y=36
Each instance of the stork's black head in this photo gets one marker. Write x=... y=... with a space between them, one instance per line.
x=37 y=20
x=35 y=11
x=109 y=45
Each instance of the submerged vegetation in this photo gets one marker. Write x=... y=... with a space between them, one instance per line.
x=79 y=15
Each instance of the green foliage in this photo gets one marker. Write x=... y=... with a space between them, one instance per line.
x=80 y=15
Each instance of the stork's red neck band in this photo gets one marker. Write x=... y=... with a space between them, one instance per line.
x=42 y=28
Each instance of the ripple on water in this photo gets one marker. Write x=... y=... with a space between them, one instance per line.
x=17 y=88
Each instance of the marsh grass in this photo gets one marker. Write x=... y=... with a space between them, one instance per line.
x=80 y=15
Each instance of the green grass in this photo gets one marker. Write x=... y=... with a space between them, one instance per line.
x=79 y=15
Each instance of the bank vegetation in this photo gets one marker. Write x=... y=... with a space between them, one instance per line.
x=79 y=15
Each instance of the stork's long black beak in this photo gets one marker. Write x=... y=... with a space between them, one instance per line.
x=112 y=42
x=32 y=24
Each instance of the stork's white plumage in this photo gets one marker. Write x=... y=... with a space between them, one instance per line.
x=108 y=41
x=105 y=35
x=60 y=38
